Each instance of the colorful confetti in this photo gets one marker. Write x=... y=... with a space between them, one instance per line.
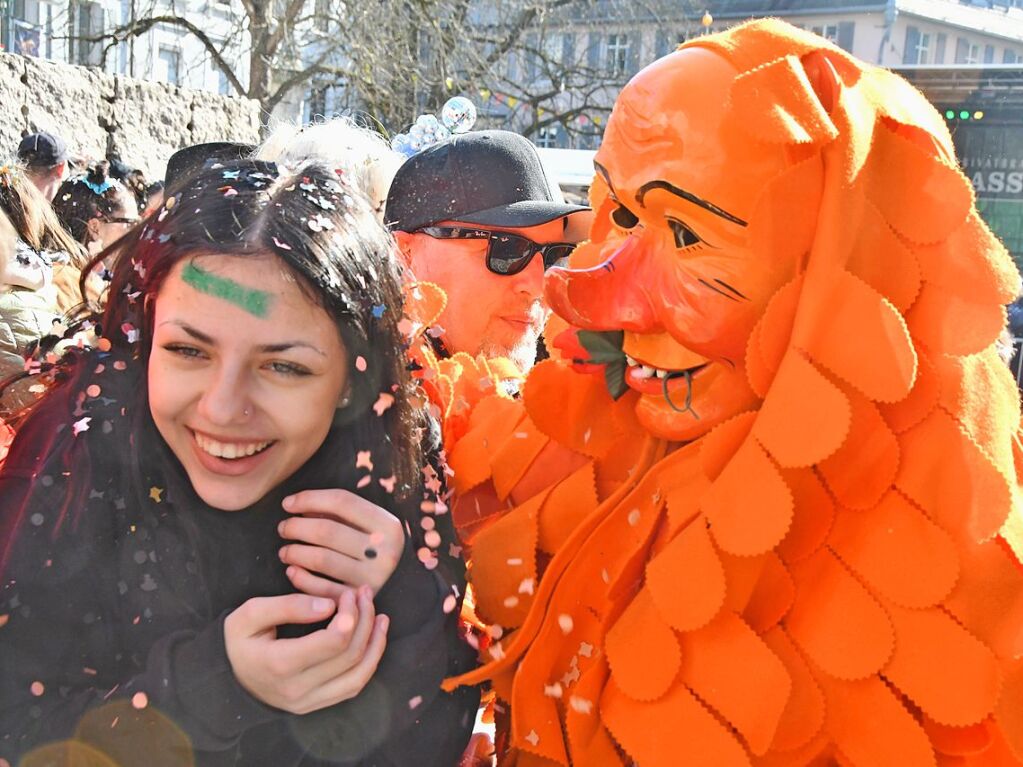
x=363 y=460
x=383 y=403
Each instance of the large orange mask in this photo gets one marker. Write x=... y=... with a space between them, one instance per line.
x=678 y=258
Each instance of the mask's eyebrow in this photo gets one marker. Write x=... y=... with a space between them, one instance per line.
x=606 y=176
x=688 y=196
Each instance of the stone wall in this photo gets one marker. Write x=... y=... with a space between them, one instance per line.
x=102 y=115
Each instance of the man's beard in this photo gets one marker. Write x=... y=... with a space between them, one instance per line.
x=523 y=352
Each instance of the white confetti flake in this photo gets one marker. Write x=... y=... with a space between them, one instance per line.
x=566 y=623
x=581 y=705
x=533 y=738
x=553 y=690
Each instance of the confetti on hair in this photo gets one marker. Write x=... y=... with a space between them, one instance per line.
x=139 y=700
x=281 y=245
x=387 y=483
x=378 y=310
x=364 y=460
x=383 y=403
x=155 y=493
x=81 y=425
x=360 y=364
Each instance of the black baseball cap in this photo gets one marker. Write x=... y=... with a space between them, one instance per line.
x=42 y=150
x=490 y=177
x=185 y=163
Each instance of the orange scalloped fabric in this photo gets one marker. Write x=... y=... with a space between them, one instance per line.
x=829 y=577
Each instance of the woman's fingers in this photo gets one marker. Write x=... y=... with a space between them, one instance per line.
x=321 y=560
x=343 y=505
x=314 y=585
x=327 y=532
x=261 y=615
x=350 y=683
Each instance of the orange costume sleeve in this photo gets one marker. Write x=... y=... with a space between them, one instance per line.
x=816 y=560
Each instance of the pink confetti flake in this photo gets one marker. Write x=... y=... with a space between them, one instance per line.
x=515 y=562
x=405 y=327
x=510 y=602
x=364 y=460
x=450 y=602
x=360 y=364
x=432 y=539
x=566 y=623
x=634 y=517
x=364 y=481
x=139 y=700
x=37 y=688
x=425 y=554
x=120 y=365
x=281 y=245
x=80 y=426
x=93 y=391
x=553 y=690
x=3 y=620
x=383 y=403
x=388 y=483
x=533 y=738
x=586 y=649
x=415 y=702
x=427 y=523
x=526 y=587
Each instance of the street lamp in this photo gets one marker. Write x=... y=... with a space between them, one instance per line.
x=706 y=21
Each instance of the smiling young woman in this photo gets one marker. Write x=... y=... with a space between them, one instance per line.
x=221 y=533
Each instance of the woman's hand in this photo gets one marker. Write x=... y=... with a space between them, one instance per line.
x=314 y=671
x=342 y=541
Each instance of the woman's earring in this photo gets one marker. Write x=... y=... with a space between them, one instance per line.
x=345 y=400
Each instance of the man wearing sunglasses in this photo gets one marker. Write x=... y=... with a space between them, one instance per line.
x=477 y=216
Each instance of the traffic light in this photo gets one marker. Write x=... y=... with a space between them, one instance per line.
x=963 y=114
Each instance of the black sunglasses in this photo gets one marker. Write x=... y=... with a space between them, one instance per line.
x=507 y=253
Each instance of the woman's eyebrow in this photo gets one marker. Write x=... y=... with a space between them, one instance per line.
x=284 y=346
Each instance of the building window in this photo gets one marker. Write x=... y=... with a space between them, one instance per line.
x=989 y=54
x=316 y=103
x=1010 y=57
x=323 y=15
x=224 y=87
x=547 y=137
x=617 y=54
x=827 y=31
x=923 y=49
x=967 y=52
x=168 y=66
x=90 y=25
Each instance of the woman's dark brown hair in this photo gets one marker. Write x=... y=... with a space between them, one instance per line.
x=93 y=195
x=323 y=234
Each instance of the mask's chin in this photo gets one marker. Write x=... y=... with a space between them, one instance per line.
x=718 y=393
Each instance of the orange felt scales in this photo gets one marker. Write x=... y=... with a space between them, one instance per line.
x=801 y=542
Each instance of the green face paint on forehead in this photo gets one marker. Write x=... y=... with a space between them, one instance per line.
x=255 y=302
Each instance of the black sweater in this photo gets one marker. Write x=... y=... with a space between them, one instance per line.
x=112 y=617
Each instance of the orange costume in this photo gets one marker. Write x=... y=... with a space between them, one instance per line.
x=796 y=537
